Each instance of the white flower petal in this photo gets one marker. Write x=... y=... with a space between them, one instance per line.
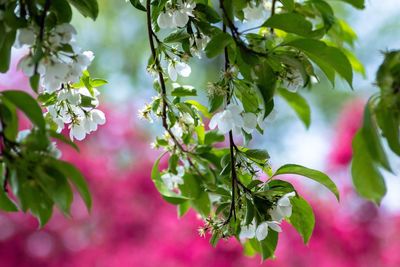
x=262 y=231
x=214 y=120
x=173 y=74
x=183 y=69
x=98 y=116
x=275 y=226
x=247 y=231
x=164 y=20
x=180 y=19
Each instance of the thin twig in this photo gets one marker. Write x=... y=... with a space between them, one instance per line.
x=42 y=26
x=151 y=35
x=273 y=13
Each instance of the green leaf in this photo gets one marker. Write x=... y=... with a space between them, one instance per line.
x=34 y=198
x=202 y=204
x=200 y=107
x=6 y=204
x=75 y=176
x=138 y=5
x=55 y=184
x=182 y=91
x=183 y=208
x=208 y=13
x=315 y=175
x=356 y=3
x=217 y=44
x=328 y=58
x=5 y=51
x=88 y=8
x=368 y=181
x=191 y=187
x=34 y=82
x=63 y=139
x=370 y=135
x=177 y=36
x=299 y=105
x=28 y=105
x=98 y=82
x=302 y=218
x=268 y=245
x=389 y=123
x=291 y=23
x=212 y=137
x=266 y=83
x=62 y=9
x=9 y=118
x=288 y=4
x=257 y=154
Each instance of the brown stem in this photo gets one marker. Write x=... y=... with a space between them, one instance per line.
x=273 y=13
x=42 y=26
x=151 y=35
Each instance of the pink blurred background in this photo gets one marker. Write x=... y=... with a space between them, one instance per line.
x=130 y=224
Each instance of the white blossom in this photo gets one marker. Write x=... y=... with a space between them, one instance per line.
x=178 y=68
x=262 y=229
x=283 y=208
x=252 y=13
x=227 y=120
x=250 y=122
x=165 y=20
x=248 y=231
x=198 y=44
x=25 y=36
x=173 y=180
x=173 y=18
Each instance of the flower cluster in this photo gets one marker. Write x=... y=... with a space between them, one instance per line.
x=176 y=14
x=256 y=11
x=70 y=108
x=172 y=180
x=282 y=210
x=62 y=65
x=233 y=118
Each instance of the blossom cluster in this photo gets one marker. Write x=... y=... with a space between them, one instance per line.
x=282 y=210
x=233 y=118
x=176 y=14
x=60 y=67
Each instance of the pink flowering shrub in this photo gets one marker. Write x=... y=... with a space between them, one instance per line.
x=130 y=225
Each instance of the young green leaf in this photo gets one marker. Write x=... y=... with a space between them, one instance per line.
x=88 y=8
x=367 y=179
x=217 y=44
x=268 y=245
x=302 y=218
x=28 y=105
x=371 y=137
x=138 y=5
x=299 y=105
x=291 y=23
x=288 y=4
x=326 y=57
x=75 y=176
x=315 y=175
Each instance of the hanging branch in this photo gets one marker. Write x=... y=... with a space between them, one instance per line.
x=161 y=79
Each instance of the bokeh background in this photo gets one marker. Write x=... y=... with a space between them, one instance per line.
x=130 y=225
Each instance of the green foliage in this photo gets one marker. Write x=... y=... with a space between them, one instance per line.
x=299 y=105
x=88 y=8
x=381 y=120
x=302 y=218
x=30 y=165
x=315 y=175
